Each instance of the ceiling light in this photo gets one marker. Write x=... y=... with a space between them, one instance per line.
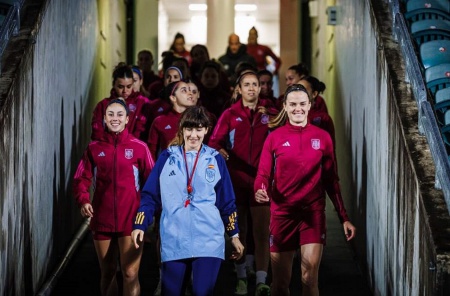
x=198 y=7
x=245 y=7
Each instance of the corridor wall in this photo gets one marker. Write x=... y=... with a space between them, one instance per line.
x=384 y=163
x=44 y=128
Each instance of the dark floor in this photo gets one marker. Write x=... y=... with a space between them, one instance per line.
x=339 y=273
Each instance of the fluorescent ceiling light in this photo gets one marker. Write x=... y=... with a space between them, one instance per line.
x=245 y=7
x=198 y=7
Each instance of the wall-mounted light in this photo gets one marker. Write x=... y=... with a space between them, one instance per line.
x=313 y=8
x=198 y=7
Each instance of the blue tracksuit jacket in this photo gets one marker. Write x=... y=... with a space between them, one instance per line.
x=195 y=230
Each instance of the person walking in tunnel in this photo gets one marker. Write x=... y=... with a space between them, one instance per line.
x=182 y=95
x=236 y=53
x=318 y=114
x=145 y=63
x=136 y=103
x=297 y=167
x=138 y=81
x=214 y=97
x=164 y=128
x=116 y=164
x=266 y=82
x=260 y=52
x=295 y=73
x=179 y=49
x=239 y=136
x=200 y=56
x=159 y=105
x=190 y=182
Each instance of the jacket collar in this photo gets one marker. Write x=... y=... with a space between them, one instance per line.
x=114 y=138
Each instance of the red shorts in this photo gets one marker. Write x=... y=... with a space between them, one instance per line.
x=287 y=233
x=246 y=197
x=103 y=235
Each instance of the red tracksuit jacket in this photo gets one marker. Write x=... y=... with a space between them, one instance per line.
x=260 y=52
x=164 y=128
x=320 y=105
x=242 y=135
x=297 y=166
x=119 y=166
x=136 y=117
x=321 y=119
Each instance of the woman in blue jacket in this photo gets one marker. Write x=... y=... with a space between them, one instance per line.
x=190 y=182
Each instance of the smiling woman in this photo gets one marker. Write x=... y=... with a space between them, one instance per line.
x=305 y=169
x=239 y=136
x=117 y=164
x=116 y=116
x=191 y=184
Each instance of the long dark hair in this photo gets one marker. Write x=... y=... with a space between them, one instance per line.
x=301 y=69
x=122 y=70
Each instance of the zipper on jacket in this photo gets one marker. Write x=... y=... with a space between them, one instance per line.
x=252 y=124
x=115 y=182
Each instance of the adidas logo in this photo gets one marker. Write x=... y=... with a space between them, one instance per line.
x=160 y=109
x=286 y=144
x=101 y=154
x=238 y=119
x=168 y=127
x=172 y=173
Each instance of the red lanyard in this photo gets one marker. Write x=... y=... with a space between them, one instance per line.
x=190 y=177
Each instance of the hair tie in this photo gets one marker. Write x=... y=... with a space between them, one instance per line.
x=176 y=69
x=137 y=71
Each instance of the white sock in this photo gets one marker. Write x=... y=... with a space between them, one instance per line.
x=249 y=260
x=240 y=270
x=261 y=277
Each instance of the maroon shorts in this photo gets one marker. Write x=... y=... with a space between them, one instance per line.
x=287 y=233
x=103 y=235
x=246 y=197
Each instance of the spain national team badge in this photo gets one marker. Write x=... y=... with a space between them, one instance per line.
x=315 y=144
x=128 y=153
x=210 y=174
x=317 y=120
x=264 y=119
x=132 y=107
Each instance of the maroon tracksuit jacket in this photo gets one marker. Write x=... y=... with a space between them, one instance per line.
x=118 y=165
x=297 y=167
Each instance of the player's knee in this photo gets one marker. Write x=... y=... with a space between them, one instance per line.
x=130 y=273
x=310 y=278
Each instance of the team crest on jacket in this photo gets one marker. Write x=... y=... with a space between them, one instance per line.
x=210 y=174
x=132 y=107
x=264 y=119
x=128 y=153
x=317 y=120
x=315 y=144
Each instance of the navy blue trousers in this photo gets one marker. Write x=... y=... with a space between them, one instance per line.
x=175 y=275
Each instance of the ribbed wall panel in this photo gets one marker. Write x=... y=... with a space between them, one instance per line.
x=40 y=131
